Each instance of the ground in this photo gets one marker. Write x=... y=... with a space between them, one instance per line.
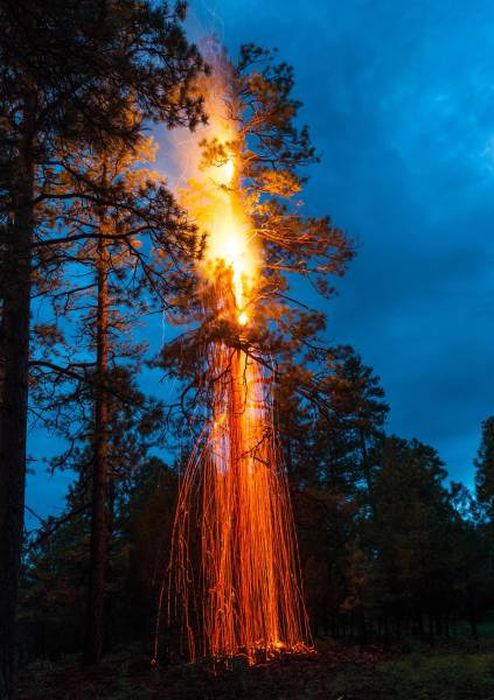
x=335 y=672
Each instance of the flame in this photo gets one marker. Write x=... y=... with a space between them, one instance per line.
x=244 y=595
x=213 y=198
x=243 y=318
x=226 y=171
x=230 y=242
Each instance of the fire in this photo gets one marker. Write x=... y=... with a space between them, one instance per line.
x=234 y=513
x=243 y=319
x=214 y=200
x=226 y=172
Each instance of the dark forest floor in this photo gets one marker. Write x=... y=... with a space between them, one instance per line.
x=334 y=673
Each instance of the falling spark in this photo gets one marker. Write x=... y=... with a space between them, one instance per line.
x=234 y=579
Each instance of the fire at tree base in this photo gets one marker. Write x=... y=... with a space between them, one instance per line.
x=235 y=582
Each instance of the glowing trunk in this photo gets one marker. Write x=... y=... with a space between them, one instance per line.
x=247 y=552
x=248 y=600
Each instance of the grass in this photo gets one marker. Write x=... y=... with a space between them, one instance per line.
x=335 y=673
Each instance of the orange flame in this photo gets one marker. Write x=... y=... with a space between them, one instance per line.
x=213 y=200
x=244 y=597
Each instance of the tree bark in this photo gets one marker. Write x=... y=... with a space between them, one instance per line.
x=99 y=505
x=365 y=463
x=472 y=613
x=15 y=325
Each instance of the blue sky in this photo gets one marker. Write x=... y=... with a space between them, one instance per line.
x=399 y=97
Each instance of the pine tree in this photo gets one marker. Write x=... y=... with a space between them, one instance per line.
x=408 y=533
x=360 y=411
x=123 y=231
x=484 y=463
x=275 y=151
x=58 y=566
x=330 y=421
x=67 y=71
x=348 y=428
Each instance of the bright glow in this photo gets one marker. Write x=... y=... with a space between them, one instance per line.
x=230 y=241
x=226 y=171
x=215 y=202
x=243 y=319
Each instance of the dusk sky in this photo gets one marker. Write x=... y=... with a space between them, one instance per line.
x=399 y=97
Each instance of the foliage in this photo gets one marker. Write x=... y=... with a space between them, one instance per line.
x=485 y=469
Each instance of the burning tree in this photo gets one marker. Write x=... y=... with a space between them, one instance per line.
x=234 y=579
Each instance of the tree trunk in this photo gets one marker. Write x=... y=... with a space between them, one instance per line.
x=4 y=237
x=366 y=466
x=472 y=613
x=13 y=407
x=99 y=505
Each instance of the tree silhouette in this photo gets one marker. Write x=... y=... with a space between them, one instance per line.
x=67 y=72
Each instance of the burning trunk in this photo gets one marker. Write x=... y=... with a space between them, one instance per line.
x=248 y=600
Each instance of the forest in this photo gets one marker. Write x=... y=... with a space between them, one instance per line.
x=98 y=247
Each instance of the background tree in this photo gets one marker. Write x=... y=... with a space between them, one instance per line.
x=484 y=475
x=332 y=423
x=408 y=534
x=58 y=561
x=124 y=232
x=480 y=575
